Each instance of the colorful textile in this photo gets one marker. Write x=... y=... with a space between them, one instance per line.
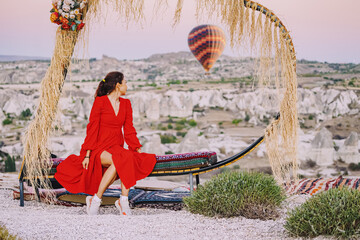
x=313 y=186
x=184 y=161
x=136 y=196
x=171 y=161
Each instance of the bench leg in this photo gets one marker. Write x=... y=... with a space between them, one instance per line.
x=197 y=177
x=191 y=182
x=21 y=184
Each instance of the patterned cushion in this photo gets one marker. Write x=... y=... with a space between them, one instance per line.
x=171 y=161
x=184 y=161
x=316 y=185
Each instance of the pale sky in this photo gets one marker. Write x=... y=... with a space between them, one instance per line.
x=322 y=30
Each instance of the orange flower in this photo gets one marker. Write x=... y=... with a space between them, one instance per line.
x=80 y=26
x=65 y=26
x=54 y=16
x=64 y=21
x=55 y=8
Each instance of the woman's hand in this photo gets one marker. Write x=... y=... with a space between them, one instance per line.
x=85 y=163
x=138 y=150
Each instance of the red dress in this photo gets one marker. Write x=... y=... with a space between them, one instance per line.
x=104 y=133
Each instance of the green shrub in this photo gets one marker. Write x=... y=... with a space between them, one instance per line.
x=354 y=166
x=180 y=134
x=25 y=114
x=182 y=121
x=252 y=195
x=7 y=121
x=334 y=212
x=161 y=127
x=167 y=139
x=192 y=123
x=236 y=121
x=236 y=167
x=10 y=164
x=5 y=235
x=179 y=127
x=170 y=126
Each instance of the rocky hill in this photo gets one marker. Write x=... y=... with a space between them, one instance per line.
x=174 y=104
x=176 y=66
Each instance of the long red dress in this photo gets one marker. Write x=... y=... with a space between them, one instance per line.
x=104 y=133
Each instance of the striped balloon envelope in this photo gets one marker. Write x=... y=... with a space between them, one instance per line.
x=207 y=42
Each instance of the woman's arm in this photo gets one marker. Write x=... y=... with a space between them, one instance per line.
x=129 y=131
x=92 y=129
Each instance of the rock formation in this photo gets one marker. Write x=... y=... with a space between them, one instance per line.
x=192 y=142
x=349 y=152
x=322 y=148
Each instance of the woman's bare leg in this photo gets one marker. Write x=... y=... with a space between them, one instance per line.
x=124 y=191
x=107 y=179
x=109 y=175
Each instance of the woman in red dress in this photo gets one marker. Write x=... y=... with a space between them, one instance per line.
x=103 y=157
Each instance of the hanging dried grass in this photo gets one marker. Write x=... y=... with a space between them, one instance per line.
x=277 y=67
x=252 y=30
x=128 y=10
x=264 y=71
x=36 y=152
x=177 y=14
x=276 y=56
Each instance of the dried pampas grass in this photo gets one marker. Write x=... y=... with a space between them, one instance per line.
x=266 y=35
x=36 y=152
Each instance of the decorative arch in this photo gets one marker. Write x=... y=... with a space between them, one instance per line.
x=246 y=21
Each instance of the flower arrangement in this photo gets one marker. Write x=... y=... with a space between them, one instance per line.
x=67 y=13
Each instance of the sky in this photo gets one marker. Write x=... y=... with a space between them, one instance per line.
x=322 y=30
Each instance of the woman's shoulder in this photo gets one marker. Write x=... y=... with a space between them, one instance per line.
x=125 y=100
x=99 y=99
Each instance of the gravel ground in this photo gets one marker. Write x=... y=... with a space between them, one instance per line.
x=42 y=221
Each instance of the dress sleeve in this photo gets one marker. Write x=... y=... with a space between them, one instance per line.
x=129 y=131
x=92 y=129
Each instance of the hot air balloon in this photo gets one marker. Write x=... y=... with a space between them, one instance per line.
x=207 y=42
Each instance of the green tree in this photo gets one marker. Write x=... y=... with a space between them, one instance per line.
x=7 y=121
x=10 y=164
x=192 y=123
x=25 y=114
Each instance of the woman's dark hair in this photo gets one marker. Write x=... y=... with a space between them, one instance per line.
x=111 y=79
